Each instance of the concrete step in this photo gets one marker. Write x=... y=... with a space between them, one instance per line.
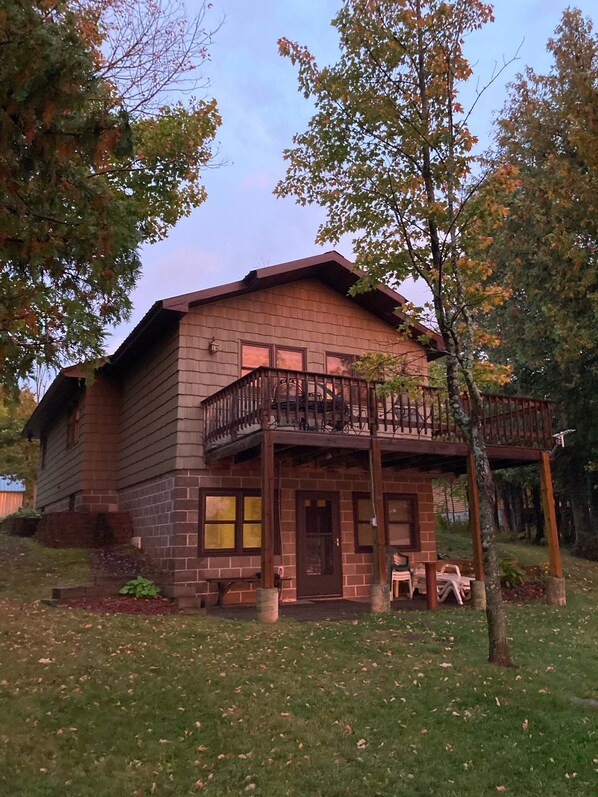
x=113 y=581
x=188 y=602
x=69 y=591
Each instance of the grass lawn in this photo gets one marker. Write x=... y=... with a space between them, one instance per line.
x=111 y=705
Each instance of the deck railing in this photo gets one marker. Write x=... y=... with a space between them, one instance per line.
x=318 y=402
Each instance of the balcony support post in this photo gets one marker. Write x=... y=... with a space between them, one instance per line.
x=555 y=586
x=478 y=591
x=267 y=595
x=380 y=595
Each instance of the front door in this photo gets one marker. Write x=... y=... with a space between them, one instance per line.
x=318 y=546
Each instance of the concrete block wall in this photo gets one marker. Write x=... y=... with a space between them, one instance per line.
x=84 y=529
x=190 y=570
x=151 y=505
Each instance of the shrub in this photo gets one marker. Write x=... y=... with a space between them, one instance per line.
x=140 y=587
x=511 y=575
x=23 y=512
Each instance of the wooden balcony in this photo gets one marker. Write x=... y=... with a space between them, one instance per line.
x=325 y=410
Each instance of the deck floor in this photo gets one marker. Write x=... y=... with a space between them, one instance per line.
x=322 y=610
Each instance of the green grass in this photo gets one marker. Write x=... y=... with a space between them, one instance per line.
x=383 y=706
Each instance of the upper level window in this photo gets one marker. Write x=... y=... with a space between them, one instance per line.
x=72 y=425
x=255 y=354
x=340 y=364
x=401 y=522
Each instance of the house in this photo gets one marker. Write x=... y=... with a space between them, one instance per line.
x=231 y=427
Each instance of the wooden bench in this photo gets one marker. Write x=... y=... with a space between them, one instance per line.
x=225 y=584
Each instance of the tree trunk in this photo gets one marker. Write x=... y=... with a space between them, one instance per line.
x=586 y=536
x=538 y=514
x=497 y=623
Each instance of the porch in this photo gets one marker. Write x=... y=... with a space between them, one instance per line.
x=328 y=423
x=322 y=611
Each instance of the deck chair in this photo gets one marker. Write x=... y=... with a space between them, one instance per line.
x=459 y=585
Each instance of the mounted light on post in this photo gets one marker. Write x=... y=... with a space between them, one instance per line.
x=213 y=346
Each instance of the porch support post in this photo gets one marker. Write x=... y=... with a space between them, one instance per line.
x=555 y=586
x=431 y=591
x=478 y=592
x=267 y=595
x=380 y=595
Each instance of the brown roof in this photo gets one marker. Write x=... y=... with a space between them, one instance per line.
x=331 y=268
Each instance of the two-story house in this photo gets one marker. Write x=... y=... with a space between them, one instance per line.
x=232 y=428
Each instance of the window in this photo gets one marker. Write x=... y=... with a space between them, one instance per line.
x=340 y=364
x=255 y=354
x=72 y=425
x=230 y=522
x=401 y=523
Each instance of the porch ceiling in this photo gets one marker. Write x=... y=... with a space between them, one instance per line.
x=329 y=450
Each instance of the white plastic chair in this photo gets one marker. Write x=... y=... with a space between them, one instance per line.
x=400 y=572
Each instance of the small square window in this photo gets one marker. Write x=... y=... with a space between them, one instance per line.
x=401 y=521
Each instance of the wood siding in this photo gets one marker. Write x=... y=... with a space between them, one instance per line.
x=63 y=471
x=149 y=412
x=305 y=314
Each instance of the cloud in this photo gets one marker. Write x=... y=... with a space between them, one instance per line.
x=168 y=272
x=259 y=180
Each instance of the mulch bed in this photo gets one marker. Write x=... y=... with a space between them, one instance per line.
x=121 y=561
x=528 y=591
x=123 y=604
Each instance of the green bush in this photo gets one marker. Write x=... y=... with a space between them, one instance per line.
x=140 y=587
x=511 y=575
x=23 y=512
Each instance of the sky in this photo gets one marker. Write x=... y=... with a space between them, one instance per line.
x=242 y=226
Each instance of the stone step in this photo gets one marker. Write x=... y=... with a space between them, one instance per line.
x=188 y=602
x=83 y=591
x=69 y=591
x=113 y=581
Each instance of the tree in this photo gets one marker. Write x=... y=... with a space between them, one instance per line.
x=84 y=178
x=18 y=456
x=547 y=252
x=389 y=155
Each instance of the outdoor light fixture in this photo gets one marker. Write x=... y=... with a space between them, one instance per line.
x=213 y=346
x=560 y=436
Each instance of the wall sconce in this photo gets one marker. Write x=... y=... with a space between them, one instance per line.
x=213 y=346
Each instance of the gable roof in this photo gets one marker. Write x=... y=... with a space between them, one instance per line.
x=331 y=268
